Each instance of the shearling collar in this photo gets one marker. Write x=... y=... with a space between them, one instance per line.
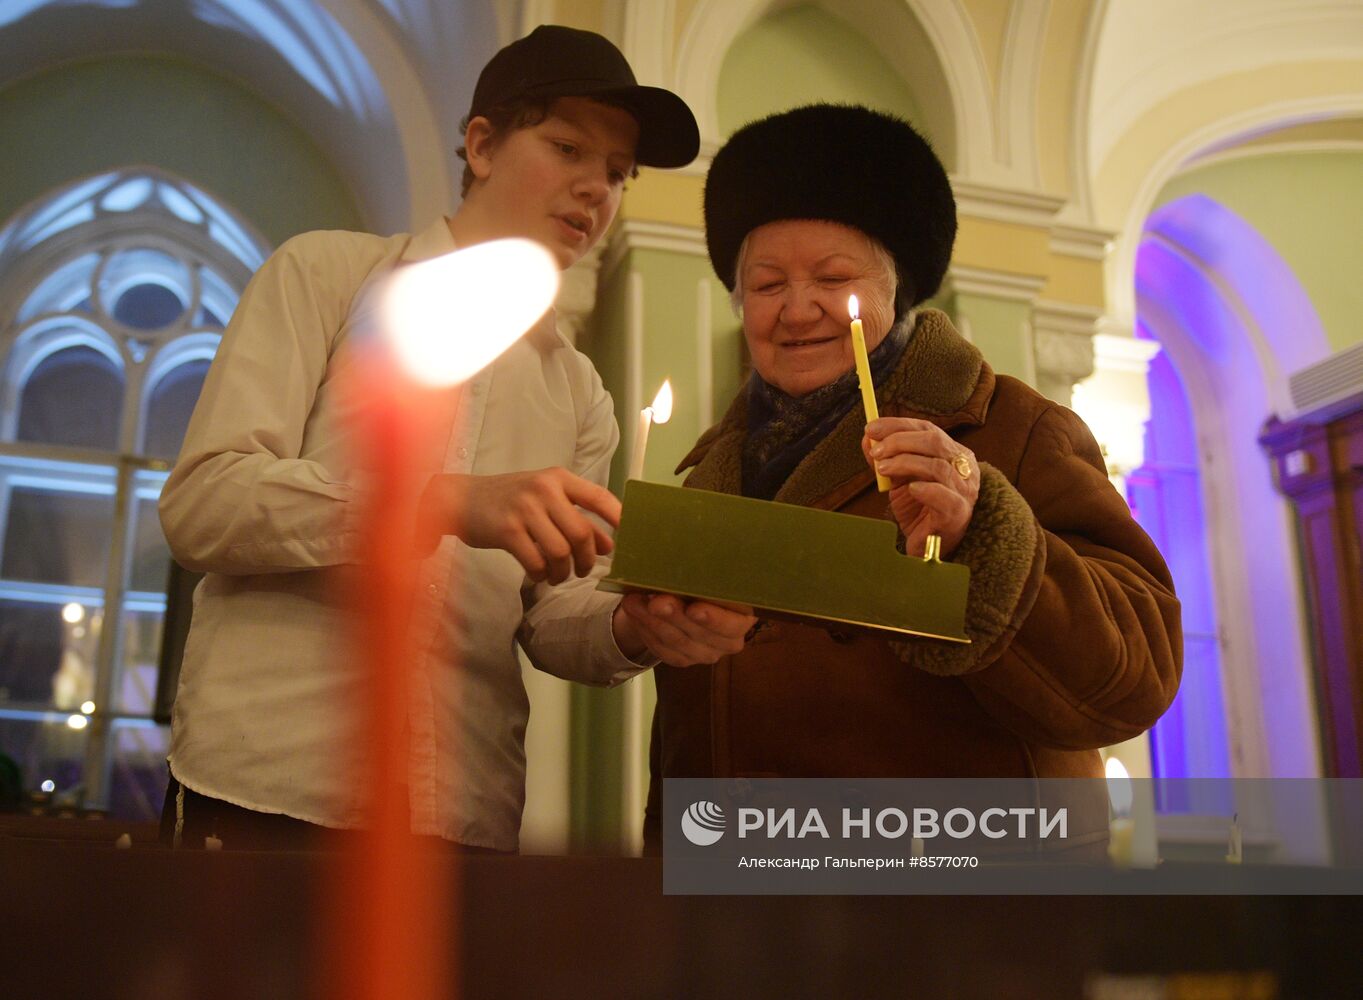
x=941 y=377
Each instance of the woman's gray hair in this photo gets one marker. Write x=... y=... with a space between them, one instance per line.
x=882 y=271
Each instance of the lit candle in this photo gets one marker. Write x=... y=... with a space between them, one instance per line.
x=868 y=389
x=390 y=900
x=1121 y=829
x=501 y=289
x=1120 y=833
x=1235 y=852
x=386 y=872
x=660 y=412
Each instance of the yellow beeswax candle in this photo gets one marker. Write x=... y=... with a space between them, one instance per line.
x=868 y=389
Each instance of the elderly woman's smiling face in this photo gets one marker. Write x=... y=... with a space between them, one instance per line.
x=794 y=277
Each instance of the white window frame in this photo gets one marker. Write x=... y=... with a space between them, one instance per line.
x=30 y=252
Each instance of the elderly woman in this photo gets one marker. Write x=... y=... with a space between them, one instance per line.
x=1074 y=626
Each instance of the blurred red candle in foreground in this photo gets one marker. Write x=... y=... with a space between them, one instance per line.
x=442 y=321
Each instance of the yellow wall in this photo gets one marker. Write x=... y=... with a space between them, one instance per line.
x=989 y=18
x=587 y=14
x=665 y=196
x=1061 y=60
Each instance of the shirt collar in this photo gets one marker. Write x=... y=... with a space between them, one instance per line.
x=436 y=239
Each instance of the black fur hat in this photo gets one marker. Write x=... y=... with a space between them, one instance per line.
x=843 y=163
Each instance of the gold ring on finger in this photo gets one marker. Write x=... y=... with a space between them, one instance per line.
x=961 y=463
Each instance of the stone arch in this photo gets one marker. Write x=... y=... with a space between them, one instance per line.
x=1180 y=147
x=1233 y=319
x=933 y=40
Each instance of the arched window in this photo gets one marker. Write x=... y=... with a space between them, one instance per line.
x=113 y=295
x=170 y=400
x=72 y=396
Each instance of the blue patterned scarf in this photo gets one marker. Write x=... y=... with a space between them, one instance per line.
x=783 y=429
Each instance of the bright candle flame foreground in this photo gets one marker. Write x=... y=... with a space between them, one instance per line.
x=853 y=307
x=1118 y=786
x=73 y=613
x=449 y=317
x=77 y=721
x=662 y=403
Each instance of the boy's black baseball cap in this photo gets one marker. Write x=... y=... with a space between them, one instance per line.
x=555 y=61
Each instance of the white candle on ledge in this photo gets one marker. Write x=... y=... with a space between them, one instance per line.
x=660 y=412
x=1235 y=852
x=1121 y=829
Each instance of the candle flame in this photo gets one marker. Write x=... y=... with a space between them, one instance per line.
x=662 y=403
x=853 y=309
x=1119 y=789
x=451 y=316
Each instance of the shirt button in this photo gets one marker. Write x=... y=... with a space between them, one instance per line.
x=463 y=453
x=432 y=589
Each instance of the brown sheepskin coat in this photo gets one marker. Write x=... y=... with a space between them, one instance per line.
x=1076 y=641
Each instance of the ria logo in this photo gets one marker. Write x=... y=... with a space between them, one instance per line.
x=703 y=823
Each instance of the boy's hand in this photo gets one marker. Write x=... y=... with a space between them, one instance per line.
x=536 y=516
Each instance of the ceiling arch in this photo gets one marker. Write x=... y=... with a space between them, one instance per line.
x=1150 y=50
x=1124 y=197
x=339 y=67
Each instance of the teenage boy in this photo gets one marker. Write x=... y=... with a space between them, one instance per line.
x=265 y=745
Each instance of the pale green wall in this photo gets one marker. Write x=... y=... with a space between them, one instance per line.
x=671 y=296
x=998 y=327
x=604 y=342
x=83 y=118
x=730 y=354
x=595 y=770
x=1309 y=207
x=805 y=55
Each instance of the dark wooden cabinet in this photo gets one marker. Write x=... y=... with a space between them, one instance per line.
x=1318 y=464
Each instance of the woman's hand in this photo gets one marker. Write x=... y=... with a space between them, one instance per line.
x=679 y=633
x=934 y=481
